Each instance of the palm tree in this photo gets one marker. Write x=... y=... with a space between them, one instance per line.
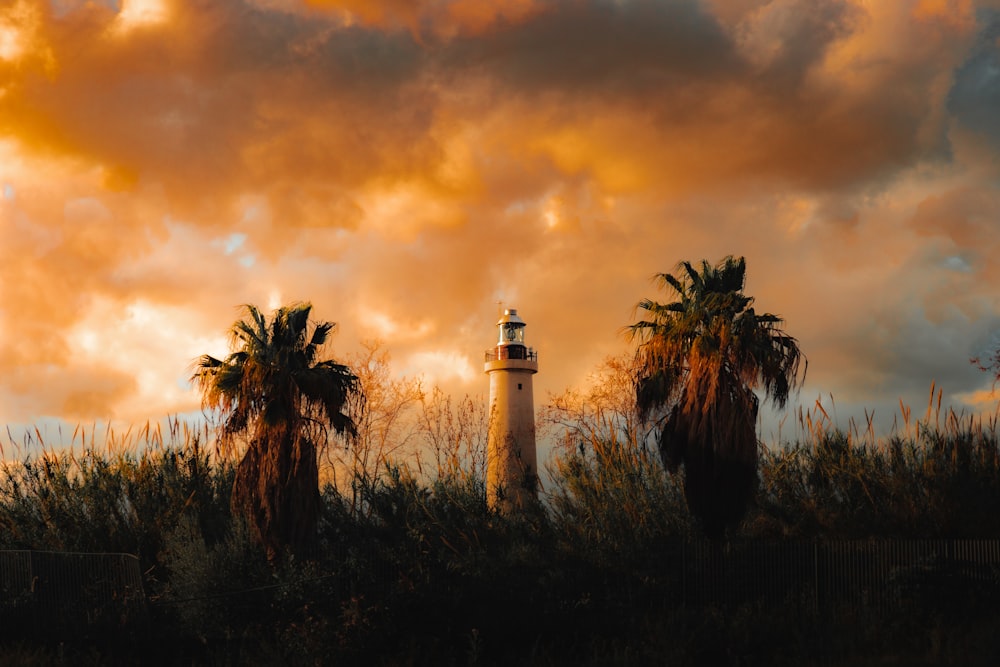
x=700 y=360
x=273 y=392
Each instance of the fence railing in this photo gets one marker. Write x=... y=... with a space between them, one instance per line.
x=69 y=595
x=877 y=573
x=77 y=595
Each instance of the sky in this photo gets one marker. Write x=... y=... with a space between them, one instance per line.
x=406 y=165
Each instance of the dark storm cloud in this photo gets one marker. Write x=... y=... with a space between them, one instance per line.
x=585 y=48
x=974 y=99
x=753 y=92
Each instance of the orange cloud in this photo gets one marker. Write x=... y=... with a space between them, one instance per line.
x=407 y=165
x=438 y=19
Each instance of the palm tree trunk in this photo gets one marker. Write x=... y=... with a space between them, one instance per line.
x=720 y=462
x=277 y=490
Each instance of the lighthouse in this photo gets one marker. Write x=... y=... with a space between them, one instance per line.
x=511 y=460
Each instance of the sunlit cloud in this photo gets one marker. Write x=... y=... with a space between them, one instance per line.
x=144 y=345
x=22 y=42
x=135 y=14
x=382 y=326
x=406 y=165
x=401 y=211
x=19 y=24
x=441 y=19
x=441 y=367
x=11 y=42
x=980 y=400
x=274 y=299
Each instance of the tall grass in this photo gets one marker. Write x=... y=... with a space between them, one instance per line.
x=125 y=494
x=414 y=568
x=930 y=478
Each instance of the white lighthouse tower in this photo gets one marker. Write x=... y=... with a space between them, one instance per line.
x=511 y=463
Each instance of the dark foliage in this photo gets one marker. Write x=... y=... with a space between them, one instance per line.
x=699 y=361
x=427 y=574
x=274 y=391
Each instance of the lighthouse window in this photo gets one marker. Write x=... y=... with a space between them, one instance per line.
x=519 y=385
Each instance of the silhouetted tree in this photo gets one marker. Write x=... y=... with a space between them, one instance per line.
x=273 y=391
x=989 y=364
x=699 y=360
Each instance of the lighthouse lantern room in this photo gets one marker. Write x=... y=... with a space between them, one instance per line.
x=511 y=329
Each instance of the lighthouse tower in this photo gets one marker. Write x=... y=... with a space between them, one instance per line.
x=511 y=461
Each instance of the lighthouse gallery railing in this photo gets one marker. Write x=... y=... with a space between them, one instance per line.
x=503 y=352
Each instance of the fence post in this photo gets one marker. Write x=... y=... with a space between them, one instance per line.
x=684 y=574
x=816 y=573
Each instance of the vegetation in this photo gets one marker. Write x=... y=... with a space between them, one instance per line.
x=699 y=361
x=275 y=391
x=408 y=564
x=417 y=569
x=937 y=478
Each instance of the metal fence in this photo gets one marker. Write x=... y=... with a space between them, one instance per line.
x=877 y=574
x=69 y=595
x=77 y=595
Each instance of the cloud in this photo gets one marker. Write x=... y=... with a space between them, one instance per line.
x=428 y=18
x=976 y=88
x=407 y=165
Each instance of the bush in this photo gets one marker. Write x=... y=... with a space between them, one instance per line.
x=420 y=571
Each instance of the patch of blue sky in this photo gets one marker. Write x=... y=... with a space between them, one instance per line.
x=230 y=245
x=233 y=242
x=8 y=192
x=47 y=434
x=957 y=263
x=50 y=434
